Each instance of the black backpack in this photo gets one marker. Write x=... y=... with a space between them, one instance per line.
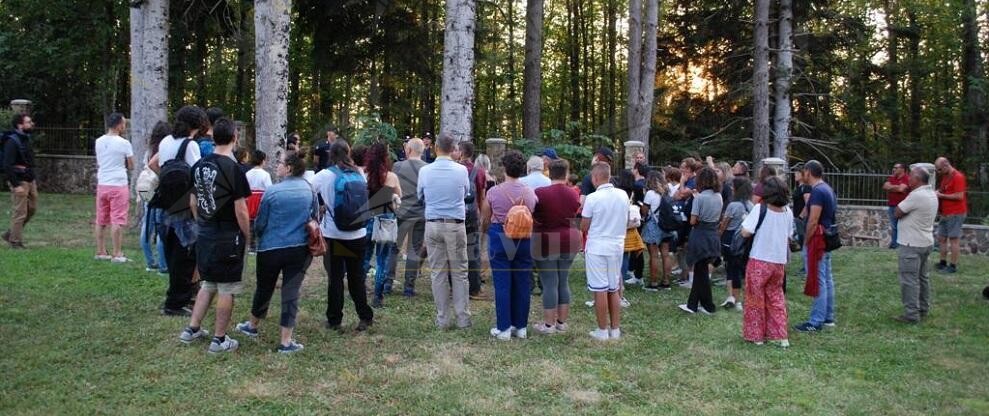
x=669 y=218
x=174 y=181
x=470 y=207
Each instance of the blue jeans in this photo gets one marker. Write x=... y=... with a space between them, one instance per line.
x=823 y=308
x=626 y=259
x=383 y=253
x=511 y=269
x=149 y=232
x=893 y=226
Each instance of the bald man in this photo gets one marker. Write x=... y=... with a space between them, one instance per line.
x=411 y=223
x=605 y=217
x=953 y=207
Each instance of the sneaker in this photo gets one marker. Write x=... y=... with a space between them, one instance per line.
x=665 y=286
x=625 y=302
x=759 y=343
x=633 y=281
x=18 y=246
x=163 y=273
x=363 y=326
x=941 y=265
x=590 y=303
x=376 y=303
x=686 y=284
x=102 y=257
x=187 y=336
x=228 y=345
x=951 y=269
x=502 y=335
x=738 y=306
x=704 y=311
x=676 y=271
x=119 y=260
x=151 y=269
x=184 y=311
x=728 y=303
x=829 y=324
x=562 y=326
x=651 y=288
x=521 y=333
x=335 y=328
x=685 y=308
x=290 y=348
x=783 y=343
x=409 y=293
x=246 y=329
x=807 y=327
x=615 y=334
x=600 y=334
x=546 y=329
x=905 y=320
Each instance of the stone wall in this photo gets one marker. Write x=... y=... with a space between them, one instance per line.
x=869 y=226
x=66 y=174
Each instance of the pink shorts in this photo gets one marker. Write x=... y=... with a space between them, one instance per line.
x=112 y=204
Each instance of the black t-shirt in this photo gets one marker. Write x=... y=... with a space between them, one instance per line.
x=321 y=153
x=798 y=199
x=218 y=181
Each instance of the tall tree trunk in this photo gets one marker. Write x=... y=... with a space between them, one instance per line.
x=149 y=73
x=244 y=37
x=272 y=28
x=641 y=68
x=916 y=74
x=893 y=73
x=512 y=74
x=784 y=71
x=760 y=83
x=973 y=86
x=456 y=117
x=611 y=16
x=532 y=73
x=634 y=65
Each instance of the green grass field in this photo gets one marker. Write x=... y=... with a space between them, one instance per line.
x=82 y=337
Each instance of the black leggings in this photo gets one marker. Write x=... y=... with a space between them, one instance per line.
x=291 y=263
x=345 y=258
x=700 y=291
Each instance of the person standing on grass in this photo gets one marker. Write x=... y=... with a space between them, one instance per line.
x=411 y=224
x=604 y=218
x=801 y=194
x=478 y=178
x=952 y=207
x=383 y=191
x=683 y=200
x=442 y=187
x=177 y=227
x=219 y=203
x=659 y=241
x=511 y=258
x=153 y=217
x=259 y=180
x=731 y=222
x=764 y=317
x=114 y=158
x=282 y=248
x=705 y=246
x=915 y=240
x=896 y=187
x=344 y=248
x=555 y=244
x=18 y=165
x=822 y=207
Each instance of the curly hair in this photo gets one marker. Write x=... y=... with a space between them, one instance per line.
x=358 y=153
x=656 y=181
x=775 y=191
x=514 y=164
x=377 y=166
x=187 y=119
x=707 y=178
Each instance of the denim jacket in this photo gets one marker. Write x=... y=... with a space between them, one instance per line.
x=285 y=209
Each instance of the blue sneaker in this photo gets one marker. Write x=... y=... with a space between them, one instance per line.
x=290 y=348
x=807 y=327
x=246 y=329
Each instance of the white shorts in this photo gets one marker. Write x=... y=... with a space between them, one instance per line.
x=603 y=272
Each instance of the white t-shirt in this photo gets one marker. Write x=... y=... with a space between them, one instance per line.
x=259 y=179
x=169 y=147
x=653 y=199
x=323 y=184
x=111 y=158
x=674 y=188
x=607 y=207
x=771 y=243
x=308 y=176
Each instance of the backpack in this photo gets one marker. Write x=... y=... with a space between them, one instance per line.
x=206 y=146
x=174 y=180
x=469 y=199
x=518 y=221
x=634 y=216
x=4 y=137
x=147 y=184
x=350 y=198
x=668 y=219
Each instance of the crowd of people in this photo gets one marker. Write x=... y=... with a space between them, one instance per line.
x=208 y=203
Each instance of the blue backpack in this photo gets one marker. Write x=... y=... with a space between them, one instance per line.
x=350 y=198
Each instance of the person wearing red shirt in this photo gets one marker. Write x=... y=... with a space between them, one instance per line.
x=952 y=206
x=896 y=187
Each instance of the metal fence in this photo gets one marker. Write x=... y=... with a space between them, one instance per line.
x=65 y=140
x=866 y=188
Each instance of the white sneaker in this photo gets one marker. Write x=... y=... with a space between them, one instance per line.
x=702 y=310
x=685 y=308
x=686 y=284
x=738 y=306
x=783 y=343
x=676 y=271
x=590 y=303
x=187 y=336
x=228 y=345
x=102 y=257
x=600 y=334
x=546 y=329
x=522 y=333
x=150 y=270
x=615 y=333
x=119 y=260
x=502 y=335
x=562 y=327
x=625 y=303
x=633 y=281
x=729 y=302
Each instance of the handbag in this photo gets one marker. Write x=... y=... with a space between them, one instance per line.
x=314 y=237
x=384 y=229
x=832 y=238
x=741 y=245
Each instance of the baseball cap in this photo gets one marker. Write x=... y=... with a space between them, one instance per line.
x=606 y=152
x=548 y=152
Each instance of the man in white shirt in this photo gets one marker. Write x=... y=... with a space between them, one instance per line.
x=915 y=238
x=114 y=158
x=605 y=217
x=535 y=179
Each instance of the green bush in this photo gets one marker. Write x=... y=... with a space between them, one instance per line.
x=371 y=129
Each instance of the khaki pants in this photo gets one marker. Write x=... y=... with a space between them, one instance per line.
x=446 y=248
x=915 y=287
x=25 y=203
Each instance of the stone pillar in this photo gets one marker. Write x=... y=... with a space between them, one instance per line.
x=929 y=167
x=495 y=149
x=776 y=163
x=20 y=106
x=245 y=140
x=631 y=148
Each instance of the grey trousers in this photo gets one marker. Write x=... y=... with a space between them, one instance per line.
x=915 y=287
x=446 y=245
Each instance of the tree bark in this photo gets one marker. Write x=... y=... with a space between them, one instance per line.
x=532 y=72
x=457 y=96
x=893 y=73
x=916 y=73
x=272 y=28
x=784 y=71
x=634 y=64
x=973 y=81
x=149 y=73
x=243 y=62
x=760 y=83
x=641 y=68
x=611 y=16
